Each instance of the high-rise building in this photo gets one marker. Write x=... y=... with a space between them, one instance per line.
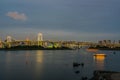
x=104 y=41
x=109 y=41
x=119 y=41
x=100 y=42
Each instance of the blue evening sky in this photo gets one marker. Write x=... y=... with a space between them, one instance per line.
x=80 y=20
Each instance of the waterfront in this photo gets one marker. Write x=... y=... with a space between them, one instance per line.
x=54 y=64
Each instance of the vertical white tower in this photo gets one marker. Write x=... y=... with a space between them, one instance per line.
x=9 y=39
x=40 y=37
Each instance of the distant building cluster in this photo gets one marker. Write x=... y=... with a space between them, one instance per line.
x=108 y=42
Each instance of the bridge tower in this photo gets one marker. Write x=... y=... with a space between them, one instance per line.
x=9 y=40
x=40 y=39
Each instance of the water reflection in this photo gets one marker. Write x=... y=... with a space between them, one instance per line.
x=8 y=63
x=39 y=56
x=53 y=65
x=28 y=59
x=99 y=62
x=38 y=65
x=8 y=57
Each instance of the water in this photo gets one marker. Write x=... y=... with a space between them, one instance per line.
x=54 y=64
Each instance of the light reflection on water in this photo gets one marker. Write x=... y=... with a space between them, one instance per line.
x=38 y=65
x=99 y=62
x=53 y=64
x=8 y=58
x=39 y=56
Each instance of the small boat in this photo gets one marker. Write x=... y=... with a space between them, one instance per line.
x=92 y=50
x=99 y=54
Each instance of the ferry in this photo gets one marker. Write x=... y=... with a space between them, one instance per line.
x=100 y=54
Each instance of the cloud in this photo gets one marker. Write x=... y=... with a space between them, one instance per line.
x=17 y=16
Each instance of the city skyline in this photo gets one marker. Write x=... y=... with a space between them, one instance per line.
x=81 y=20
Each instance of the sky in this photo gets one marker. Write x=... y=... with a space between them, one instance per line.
x=79 y=20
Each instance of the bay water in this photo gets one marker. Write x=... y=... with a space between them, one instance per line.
x=55 y=64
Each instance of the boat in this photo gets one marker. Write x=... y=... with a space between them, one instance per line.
x=92 y=50
x=100 y=54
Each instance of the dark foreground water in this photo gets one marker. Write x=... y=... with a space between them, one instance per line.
x=54 y=64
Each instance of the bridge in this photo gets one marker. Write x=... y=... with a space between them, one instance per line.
x=47 y=43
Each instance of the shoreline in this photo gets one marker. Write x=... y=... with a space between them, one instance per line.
x=33 y=48
x=104 y=48
x=105 y=75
